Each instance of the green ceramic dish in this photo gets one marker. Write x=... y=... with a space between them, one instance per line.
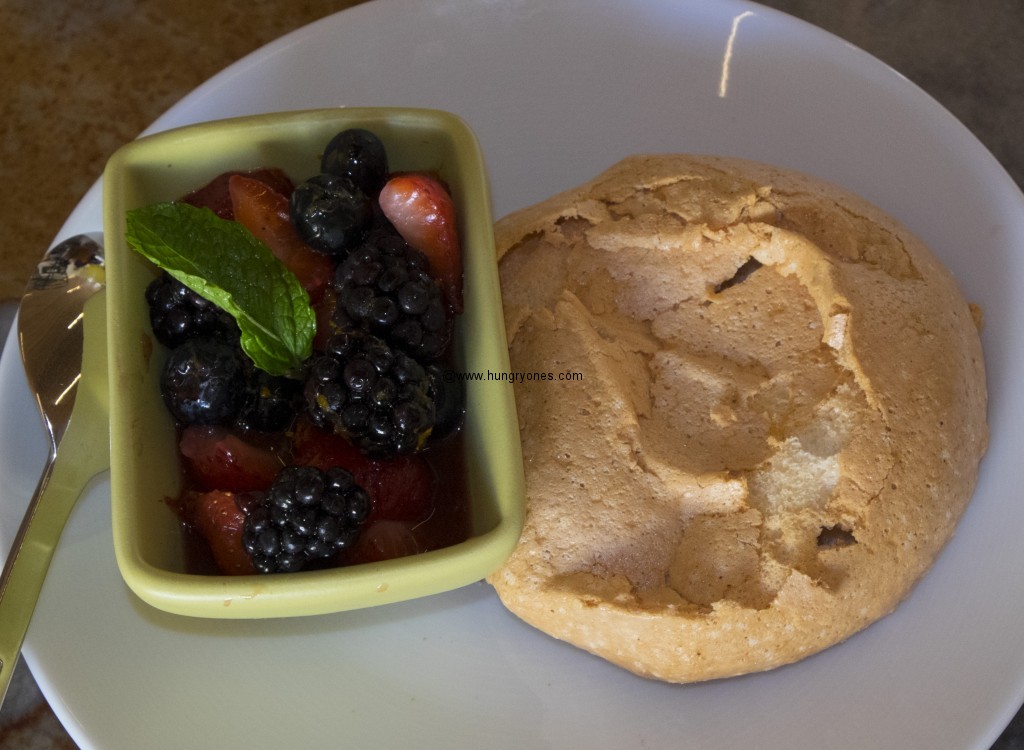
x=144 y=467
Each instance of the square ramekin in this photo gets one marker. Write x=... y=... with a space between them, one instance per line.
x=148 y=540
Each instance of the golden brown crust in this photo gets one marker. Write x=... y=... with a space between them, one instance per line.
x=779 y=422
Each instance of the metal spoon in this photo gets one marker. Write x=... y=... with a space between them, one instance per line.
x=61 y=329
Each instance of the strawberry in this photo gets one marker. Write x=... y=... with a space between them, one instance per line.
x=422 y=211
x=401 y=488
x=312 y=446
x=215 y=195
x=220 y=520
x=325 y=327
x=383 y=540
x=265 y=212
x=217 y=459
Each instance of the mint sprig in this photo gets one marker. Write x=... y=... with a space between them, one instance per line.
x=223 y=262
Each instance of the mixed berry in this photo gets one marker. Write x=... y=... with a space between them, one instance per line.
x=306 y=516
x=355 y=455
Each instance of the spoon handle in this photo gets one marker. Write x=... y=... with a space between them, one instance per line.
x=83 y=452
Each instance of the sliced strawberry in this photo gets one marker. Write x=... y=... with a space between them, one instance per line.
x=422 y=211
x=265 y=213
x=401 y=488
x=324 y=310
x=215 y=195
x=383 y=540
x=217 y=459
x=312 y=446
x=219 y=519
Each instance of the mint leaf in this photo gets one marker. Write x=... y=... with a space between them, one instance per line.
x=222 y=261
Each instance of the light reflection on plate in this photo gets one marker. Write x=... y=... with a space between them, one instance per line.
x=556 y=92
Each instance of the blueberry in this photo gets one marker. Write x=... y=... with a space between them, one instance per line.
x=359 y=155
x=330 y=213
x=269 y=403
x=203 y=382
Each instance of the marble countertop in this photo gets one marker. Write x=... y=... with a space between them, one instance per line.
x=82 y=77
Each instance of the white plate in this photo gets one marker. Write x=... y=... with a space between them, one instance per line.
x=556 y=92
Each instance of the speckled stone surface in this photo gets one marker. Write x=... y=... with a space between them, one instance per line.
x=81 y=77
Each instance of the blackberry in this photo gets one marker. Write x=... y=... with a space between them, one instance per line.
x=269 y=403
x=306 y=516
x=377 y=397
x=330 y=213
x=203 y=382
x=384 y=287
x=177 y=314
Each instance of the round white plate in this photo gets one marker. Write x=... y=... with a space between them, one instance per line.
x=557 y=91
